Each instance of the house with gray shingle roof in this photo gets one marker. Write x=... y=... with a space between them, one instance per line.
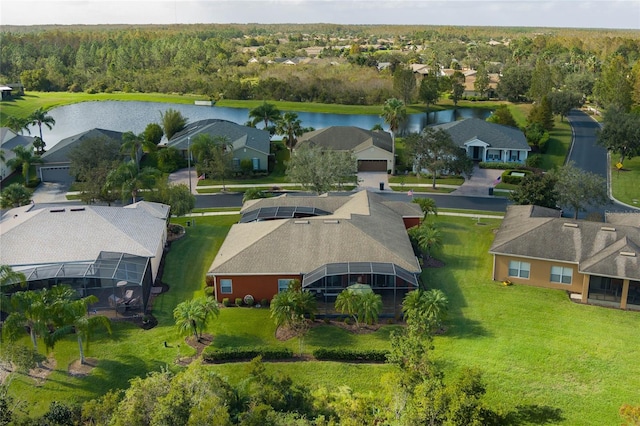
x=8 y=141
x=326 y=242
x=248 y=142
x=372 y=148
x=484 y=141
x=596 y=262
x=99 y=250
x=56 y=162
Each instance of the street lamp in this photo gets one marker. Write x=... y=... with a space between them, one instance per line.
x=189 y=161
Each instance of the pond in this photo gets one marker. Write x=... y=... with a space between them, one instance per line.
x=134 y=116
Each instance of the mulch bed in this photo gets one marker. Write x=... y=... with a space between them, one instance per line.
x=76 y=369
x=198 y=345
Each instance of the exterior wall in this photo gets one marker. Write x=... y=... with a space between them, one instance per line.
x=249 y=153
x=375 y=153
x=155 y=261
x=410 y=222
x=259 y=286
x=540 y=273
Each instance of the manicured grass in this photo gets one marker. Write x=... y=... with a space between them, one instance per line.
x=444 y=210
x=537 y=349
x=216 y=209
x=624 y=183
x=558 y=145
x=413 y=179
x=438 y=190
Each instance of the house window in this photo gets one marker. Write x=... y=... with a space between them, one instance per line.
x=519 y=269
x=226 y=286
x=236 y=164
x=283 y=284
x=560 y=274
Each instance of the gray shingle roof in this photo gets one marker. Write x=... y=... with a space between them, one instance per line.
x=59 y=153
x=361 y=229
x=496 y=135
x=347 y=138
x=9 y=139
x=597 y=248
x=239 y=136
x=79 y=233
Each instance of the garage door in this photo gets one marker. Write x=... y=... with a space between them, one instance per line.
x=55 y=174
x=372 y=165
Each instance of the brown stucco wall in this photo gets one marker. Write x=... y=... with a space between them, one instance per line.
x=410 y=222
x=259 y=286
x=539 y=275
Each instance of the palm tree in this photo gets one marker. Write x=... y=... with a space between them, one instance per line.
x=24 y=158
x=28 y=310
x=192 y=315
x=436 y=305
x=427 y=205
x=425 y=309
x=428 y=237
x=288 y=308
x=18 y=125
x=394 y=113
x=132 y=144
x=39 y=145
x=266 y=113
x=41 y=117
x=15 y=195
x=370 y=307
x=290 y=127
x=348 y=302
x=130 y=180
x=172 y=122
x=77 y=319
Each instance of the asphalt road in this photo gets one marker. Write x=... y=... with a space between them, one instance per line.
x=585 y=152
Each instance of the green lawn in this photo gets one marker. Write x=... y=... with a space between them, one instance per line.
x=413 y=179
x=537 y=349
x=624 y=183
x=558 y=145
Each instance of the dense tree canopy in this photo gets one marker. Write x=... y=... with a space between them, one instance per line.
x=621 y=133
x=321 y=170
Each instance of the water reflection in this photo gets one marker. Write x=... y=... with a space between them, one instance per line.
x=134 y=116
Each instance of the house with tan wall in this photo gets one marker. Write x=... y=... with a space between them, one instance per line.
x=597 y=263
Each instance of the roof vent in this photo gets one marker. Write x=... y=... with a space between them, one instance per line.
x=77 y=209
x=628 y=253
x=56 y=210
x=301 y=222
x=608 y=228
x=332 y=221
x=570 y=225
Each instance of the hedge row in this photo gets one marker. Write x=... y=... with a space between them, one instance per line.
x=236 y=354
x=344 y=354
x=501 y=166
x=514 y=180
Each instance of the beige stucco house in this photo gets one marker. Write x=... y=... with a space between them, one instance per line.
x=595 y=262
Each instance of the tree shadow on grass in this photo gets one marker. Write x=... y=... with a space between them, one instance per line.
x=533 y=415
x=329 y=336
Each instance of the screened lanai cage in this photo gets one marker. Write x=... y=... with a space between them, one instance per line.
x=121 y=282
x=389 y=280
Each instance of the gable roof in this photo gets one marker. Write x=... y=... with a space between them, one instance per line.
x=239 y=136
x=10 y=139
x=79 y=233
x=347 y=138
x=496 y=135
x=360 y=228
x=597 y=248
x=59 y=153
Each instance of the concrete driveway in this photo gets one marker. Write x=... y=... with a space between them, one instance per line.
x=480 y=182
x=372 y=180
x=51 y=192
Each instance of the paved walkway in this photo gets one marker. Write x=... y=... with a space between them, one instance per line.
x=480 y=182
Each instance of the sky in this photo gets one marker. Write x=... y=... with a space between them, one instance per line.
x=522 y=13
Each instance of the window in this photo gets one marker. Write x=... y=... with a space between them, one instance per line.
x=519 y=269
x=560 y=274
x=226 y=286
x=283 y=284
x=236 y=164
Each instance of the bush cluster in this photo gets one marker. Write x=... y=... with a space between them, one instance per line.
x=500 y=166
x=346 y=354
x=236 y=354
x=238 y=301
x=513 y=180
x=226 y=302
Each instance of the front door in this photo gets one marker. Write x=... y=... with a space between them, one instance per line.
x=476 y=153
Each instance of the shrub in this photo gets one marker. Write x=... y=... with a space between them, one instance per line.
x=208 y=291
x=507 y=177
x=238 y=354
x=226 y=302
x=499 y=166
x=347 y=320
x=264 y=302
x=534 y=161
x=238 y=301
x=249 y=300
x=346 y=354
